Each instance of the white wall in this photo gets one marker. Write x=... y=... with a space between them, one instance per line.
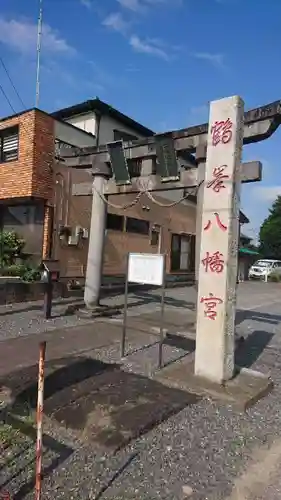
x=108 y=125
x=88 y=123
x=73 y=135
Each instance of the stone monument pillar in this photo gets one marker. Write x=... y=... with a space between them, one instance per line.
x=214 y=356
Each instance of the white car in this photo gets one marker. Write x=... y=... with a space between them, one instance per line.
x=263 y=268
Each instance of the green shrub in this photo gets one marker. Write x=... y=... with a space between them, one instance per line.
x=31 y=274
x=12 y=270
x=11 y=247
x=24 y=272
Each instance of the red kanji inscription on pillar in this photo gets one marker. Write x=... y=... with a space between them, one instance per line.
x=219 y=177
x=221 y=132
x=218 y=221
x=211 y=304
x=213 y=262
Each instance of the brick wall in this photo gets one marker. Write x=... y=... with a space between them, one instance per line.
x=31 y=174
x=43 y=155
x=16 y=176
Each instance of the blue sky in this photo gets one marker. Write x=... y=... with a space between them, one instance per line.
x=159 y=61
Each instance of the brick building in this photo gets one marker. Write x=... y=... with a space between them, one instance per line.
x=27 y=148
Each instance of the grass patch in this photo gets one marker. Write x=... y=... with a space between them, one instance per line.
x=9 y=436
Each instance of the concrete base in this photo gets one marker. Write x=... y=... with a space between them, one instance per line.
x=98 y=311
x=241 y=392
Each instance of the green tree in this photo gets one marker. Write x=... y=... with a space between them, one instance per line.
x=270 y=232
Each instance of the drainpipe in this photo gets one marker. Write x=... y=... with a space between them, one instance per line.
x=1 y=237
x=97 y=131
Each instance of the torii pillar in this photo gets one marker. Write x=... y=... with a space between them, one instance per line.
x=214 y=356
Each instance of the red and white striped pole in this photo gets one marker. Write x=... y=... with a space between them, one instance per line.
x=5 y=495
x=39 y=418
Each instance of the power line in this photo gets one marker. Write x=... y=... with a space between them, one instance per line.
x=7 y=99
x=13 y=109
x=11 y=82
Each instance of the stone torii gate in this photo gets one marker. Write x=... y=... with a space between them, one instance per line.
x=218 y=180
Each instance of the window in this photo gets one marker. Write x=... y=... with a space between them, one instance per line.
x=154 y=238
x=138 y=226
x=61 y=144
x=134 y=168
x=119 y=135
x=115 y=222
x=27 y=221
x=9 y=144
x=182 y=252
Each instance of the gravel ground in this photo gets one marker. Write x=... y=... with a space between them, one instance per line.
x=218 y=452
x=25 y=319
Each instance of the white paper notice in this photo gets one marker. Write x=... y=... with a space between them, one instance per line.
x=146 y=268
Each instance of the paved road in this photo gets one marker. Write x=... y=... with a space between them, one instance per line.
x=218 y=452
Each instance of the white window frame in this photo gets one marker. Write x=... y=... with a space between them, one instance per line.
x=11 y=137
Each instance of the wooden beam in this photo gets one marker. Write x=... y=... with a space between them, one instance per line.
x=250 y=172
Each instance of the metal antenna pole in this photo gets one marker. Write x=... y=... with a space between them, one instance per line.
x=39 y=36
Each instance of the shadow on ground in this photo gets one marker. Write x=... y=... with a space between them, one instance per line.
x=254 y=344
x=169 y=301
x=98 y=401
x=249 y=351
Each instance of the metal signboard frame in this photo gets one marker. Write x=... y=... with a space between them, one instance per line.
x=145 y=280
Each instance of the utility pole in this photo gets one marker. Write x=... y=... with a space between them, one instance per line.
x=39 y=37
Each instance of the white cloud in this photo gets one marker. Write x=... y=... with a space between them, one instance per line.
x=267 y=193
x=116 y=22
x=86 y=3
x=134 y=5
x=152 y=47
x=214 y=59
x=139 y=5
x=157 y=2
x=21 y=35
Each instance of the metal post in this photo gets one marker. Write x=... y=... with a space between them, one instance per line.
x=160 y=237
x=97 y=237
x=124 y=329
x=48 y=298
x=162 y=337
x=39 y=417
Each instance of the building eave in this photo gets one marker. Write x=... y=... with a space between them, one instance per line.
x=98 y=106
x=38 y=110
